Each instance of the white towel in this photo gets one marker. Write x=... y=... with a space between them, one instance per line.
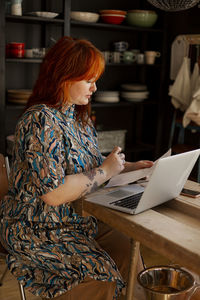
x=192 y=113
x=181 y=89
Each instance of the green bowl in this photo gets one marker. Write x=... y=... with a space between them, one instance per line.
x=141 y=18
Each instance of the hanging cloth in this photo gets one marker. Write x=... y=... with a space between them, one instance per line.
x=193 y=111
x=179 y=49
x=180 y=91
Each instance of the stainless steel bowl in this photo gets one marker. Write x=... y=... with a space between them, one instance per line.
x=167 y=283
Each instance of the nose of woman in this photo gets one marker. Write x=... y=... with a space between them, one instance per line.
x=93 y=87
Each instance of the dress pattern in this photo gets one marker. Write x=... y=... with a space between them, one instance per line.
x=51 y=248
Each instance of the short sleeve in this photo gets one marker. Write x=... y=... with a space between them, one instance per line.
x=42 y=147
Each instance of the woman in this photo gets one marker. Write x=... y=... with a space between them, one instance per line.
x=56 y=161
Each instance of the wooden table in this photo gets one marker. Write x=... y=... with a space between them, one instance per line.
x=171 y=229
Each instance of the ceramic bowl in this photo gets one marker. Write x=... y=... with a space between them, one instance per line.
x=113 y=11
x=84 y=16
x=141 y=18
x=112 y=18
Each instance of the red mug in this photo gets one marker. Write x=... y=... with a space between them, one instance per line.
x=15 y=50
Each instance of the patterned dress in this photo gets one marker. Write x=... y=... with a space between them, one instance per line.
x=51 y=248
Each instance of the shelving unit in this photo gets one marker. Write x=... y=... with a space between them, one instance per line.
x=143 y=120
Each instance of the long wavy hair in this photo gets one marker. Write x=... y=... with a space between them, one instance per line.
x=68 y=61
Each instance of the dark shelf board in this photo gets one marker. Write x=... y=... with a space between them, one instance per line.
x=132 y=65
x=24 y=60
x=122 y=104
x=115 y=27
x=32 y=19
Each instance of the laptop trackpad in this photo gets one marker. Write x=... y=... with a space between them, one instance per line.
x=119 y=194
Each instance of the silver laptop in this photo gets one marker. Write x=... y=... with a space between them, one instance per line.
x=166 y=183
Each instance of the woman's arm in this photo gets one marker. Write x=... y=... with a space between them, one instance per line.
x=80 y=184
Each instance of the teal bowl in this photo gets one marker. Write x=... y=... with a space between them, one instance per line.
x=141 y=18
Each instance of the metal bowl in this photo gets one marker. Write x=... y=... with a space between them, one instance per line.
x=166 y=283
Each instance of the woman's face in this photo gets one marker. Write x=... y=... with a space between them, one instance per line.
x=81 y=91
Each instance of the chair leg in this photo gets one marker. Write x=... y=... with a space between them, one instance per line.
x=22 y=292
x=3 y=275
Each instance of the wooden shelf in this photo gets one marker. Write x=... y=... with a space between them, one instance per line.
x=32 y=19
x=24 y=60
x=124 y=27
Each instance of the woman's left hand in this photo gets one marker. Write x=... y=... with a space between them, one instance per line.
x=141 y=164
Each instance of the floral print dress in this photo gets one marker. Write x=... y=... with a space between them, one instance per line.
x=51 y=248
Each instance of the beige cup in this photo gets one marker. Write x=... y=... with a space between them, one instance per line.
x=150 y=56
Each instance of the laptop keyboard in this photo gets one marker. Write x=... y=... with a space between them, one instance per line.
x=128 y=202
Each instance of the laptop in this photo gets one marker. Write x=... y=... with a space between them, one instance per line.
x=166 y=182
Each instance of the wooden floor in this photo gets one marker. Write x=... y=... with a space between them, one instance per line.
x=10 y=288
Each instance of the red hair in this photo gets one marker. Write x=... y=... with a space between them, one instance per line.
x=69 y=60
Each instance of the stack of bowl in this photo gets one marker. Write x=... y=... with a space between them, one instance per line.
x=134 y=92
x=107 y=96
x=141 y=18
x=112 y=16
x=18 y=96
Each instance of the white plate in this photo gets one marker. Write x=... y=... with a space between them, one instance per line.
x=43 y=14
x=134 y=87
x=133 y=100
x=135 y=95
x=20 y=91
x=107 y=99
x=17 y=101
x=107 y=94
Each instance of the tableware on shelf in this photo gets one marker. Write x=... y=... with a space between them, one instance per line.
x=134 y=87
x=16 y=7
x=113 y=11
x=140 y=58
x=107 y=96
x=150 y=56
x=107 y=93
x=141 y=18
x=15 y=50
x=107 y=56
x=39 y=52
x=84 y=16
x=112 y=18
x=18 y=96
x=107 y=99
x=28 y=53
x=121 y=46
x=116 y=57
x=43 y=14
x=133 y=96
x=129 y=57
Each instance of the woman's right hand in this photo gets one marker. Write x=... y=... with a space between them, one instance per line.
x=114 y=162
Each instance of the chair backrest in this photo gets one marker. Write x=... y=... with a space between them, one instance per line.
x=3 y=176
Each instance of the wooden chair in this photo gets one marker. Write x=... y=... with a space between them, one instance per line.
x=4 y=172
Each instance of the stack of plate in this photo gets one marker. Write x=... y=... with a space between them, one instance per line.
x=107 y=96
x=134 y=92
x=18 y=96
